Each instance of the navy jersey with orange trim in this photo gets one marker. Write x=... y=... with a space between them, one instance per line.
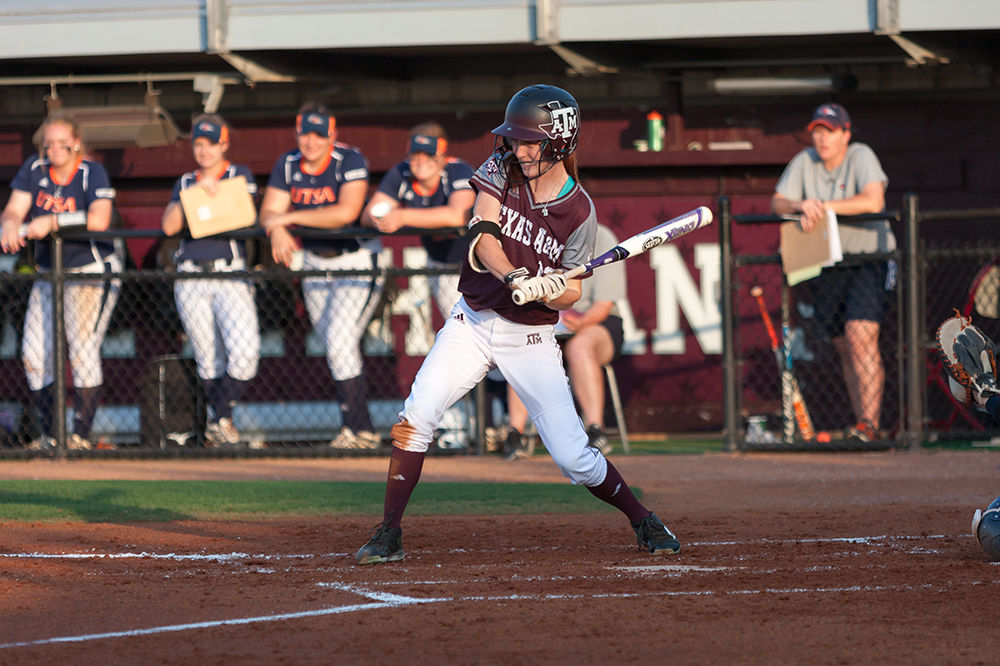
x=346 y=165
x=207 y=249
x=398 y=184
x=89 y=183
x=541 y=237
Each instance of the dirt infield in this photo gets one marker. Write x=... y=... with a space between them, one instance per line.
x=787 y=558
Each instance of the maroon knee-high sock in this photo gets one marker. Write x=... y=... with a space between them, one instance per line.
x=404 y=472
x=616 y=492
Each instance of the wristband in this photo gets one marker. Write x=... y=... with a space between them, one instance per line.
x=77 y=218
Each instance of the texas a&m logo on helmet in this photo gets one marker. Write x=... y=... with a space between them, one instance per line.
x=565 y=121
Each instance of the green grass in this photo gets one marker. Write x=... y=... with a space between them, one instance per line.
x=125 y=501
x=671 y=445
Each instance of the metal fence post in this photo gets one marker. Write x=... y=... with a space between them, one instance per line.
x=914 y=325
x=729 y=388
x=481 y=407
x=59 y=344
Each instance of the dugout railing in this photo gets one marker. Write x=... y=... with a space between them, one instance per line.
x=938 y=271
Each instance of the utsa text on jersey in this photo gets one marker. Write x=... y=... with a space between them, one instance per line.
x=313 y=196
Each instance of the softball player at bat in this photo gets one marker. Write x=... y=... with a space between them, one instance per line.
x=61 y=188
x=323 y=184
x=427 y=190
x=532 y=220
x=219 y=315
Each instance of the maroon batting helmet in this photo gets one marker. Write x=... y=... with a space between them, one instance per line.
x=543 y=113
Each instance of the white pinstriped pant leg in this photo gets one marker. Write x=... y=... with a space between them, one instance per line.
x=193 y=298
x=37 y=343
x=87 y=309
x=457 y=362
x=220 y=319
x=235 y=313
x=340 y=308
x=531 y=361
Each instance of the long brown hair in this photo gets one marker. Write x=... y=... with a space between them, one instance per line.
x=571 y=167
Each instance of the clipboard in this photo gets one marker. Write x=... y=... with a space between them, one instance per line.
x=804 y=255
x=231 y=208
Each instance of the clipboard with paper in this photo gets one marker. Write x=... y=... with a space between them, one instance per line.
x=805 y=255
x=231 y=208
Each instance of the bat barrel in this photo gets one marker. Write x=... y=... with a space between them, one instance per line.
x=641 y=242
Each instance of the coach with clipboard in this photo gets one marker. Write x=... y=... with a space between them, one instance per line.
x=835 y=175
x=218 y=314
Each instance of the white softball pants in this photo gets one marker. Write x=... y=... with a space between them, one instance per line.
x=88 y=305
x=220 y=319
x=340 y=307
x=467 y=347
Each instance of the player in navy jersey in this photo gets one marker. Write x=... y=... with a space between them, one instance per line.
x=62 y=188
x=219 y=315
x=323 y=184
x=532 y=222
x=427 y=190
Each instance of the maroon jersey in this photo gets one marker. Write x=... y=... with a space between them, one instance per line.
x=541 y=237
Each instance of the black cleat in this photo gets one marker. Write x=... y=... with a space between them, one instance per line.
x=597 y=439
x=651 y=533
x=514 y=446
x=386 y=545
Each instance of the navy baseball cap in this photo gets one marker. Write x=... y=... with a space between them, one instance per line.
x=314 y=121
x=211 y=130
x=431 y=145
x=832 y=116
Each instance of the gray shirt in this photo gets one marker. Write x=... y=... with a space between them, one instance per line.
x=607 y=282
x=805 y=177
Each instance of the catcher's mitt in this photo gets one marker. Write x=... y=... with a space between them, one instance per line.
x=970 y=358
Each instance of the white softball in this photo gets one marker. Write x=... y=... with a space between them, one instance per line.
x=381 y=209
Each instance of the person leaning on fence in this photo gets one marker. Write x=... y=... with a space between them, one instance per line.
x=850 y=299
x=594 y=336
x=427 y=190
x=63 y=188
x=219 y=315
x=322 y=184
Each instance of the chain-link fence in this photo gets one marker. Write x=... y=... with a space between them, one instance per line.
x=814 y=392
x=961 y=277
x=805 y=384
x=233 y=356
x=286 y=389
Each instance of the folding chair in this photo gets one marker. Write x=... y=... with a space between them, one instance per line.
x=616 y=403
